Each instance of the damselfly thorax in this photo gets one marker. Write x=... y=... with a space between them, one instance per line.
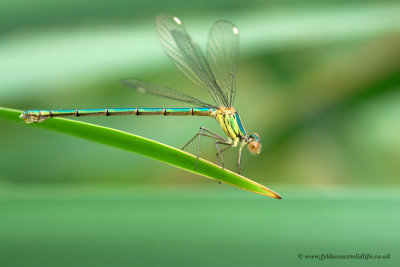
x=230 y=123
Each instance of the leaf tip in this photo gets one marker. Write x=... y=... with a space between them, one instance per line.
x=273 y=194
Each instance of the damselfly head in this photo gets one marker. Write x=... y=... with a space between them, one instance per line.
x=253 y=143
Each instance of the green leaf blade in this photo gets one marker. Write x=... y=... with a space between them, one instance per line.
x=146 y=147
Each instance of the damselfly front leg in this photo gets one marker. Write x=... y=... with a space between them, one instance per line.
x=210 y=134
x=240 y=158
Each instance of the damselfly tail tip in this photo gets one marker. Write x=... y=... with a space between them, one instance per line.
x=32 y=116
x=24 y=117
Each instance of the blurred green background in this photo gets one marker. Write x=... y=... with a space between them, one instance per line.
x=319 y=81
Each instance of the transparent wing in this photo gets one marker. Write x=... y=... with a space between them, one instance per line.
x=164 y=91
x=222 y=56
x=187 y=56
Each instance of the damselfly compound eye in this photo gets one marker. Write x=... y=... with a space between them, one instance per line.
x=254 y=147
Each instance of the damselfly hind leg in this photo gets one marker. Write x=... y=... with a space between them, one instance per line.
x=219 y=140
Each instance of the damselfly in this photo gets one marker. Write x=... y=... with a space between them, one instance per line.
x=213 y=72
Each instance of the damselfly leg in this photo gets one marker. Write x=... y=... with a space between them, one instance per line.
x=240 y=158
x=218 y=140
x=220 y=151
